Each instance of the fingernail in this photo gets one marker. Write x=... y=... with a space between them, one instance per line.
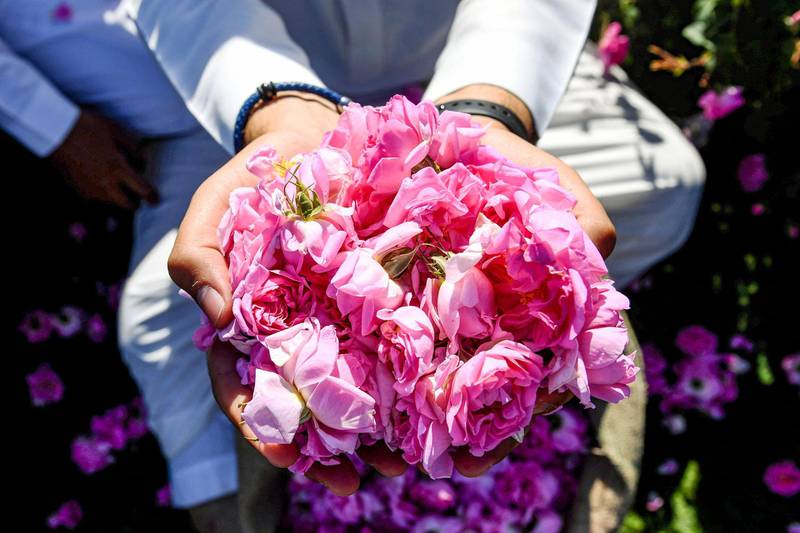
x=210 y=302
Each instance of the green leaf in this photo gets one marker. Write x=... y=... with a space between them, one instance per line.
x=695 y=33
x=633 y=523
x=396 y=262
x=684 y=509
x=763 y=370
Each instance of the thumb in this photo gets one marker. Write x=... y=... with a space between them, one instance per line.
x=201 y=271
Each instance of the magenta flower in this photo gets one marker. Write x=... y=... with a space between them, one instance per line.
x=703 y=383
x=783 y=478
x=164 y=496
x=110 y=427
x=96 y=329
x=752 y=172
x=36 y=326
x=307 y=387
x=90 y=454
x=68 y=515
x=569 y=431
x=613 y=46
x=68 y=321
x=718 y=105
x=654 y=366
x=696 y=340
x=740 y=342
x=77 y=230
x=791 y=366
x=492 y=396
x=45 y=386
x=436 y=494
x=668 y=467
x=654 y=502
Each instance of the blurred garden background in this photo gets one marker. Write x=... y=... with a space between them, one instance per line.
x=719 y=320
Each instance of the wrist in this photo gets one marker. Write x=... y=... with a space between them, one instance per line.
x=289 y=110
x=498 y=95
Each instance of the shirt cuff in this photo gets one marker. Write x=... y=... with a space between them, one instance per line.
x=46 y=120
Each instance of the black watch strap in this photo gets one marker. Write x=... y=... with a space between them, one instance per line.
x=489 y=109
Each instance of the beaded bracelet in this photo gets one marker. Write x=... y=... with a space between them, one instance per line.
x=267 y=92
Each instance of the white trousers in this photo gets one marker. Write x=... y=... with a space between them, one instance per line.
x=637 y=162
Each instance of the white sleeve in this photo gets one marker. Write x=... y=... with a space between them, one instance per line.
x=32 y=110
x=216 y=52
x=528 y=47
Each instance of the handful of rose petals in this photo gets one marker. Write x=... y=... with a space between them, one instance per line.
x=405 y=283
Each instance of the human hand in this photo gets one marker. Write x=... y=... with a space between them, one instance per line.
x=94 y=159
x=291 y=126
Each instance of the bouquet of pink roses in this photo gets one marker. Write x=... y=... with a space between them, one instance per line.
x=405 y=283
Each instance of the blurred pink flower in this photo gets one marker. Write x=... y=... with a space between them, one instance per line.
x=68 y=515
x=110 y=427
x=654 y=502
x=696 y=340
x=36 y=326
x=718 y=105
x=795 y=18
x=758 y=209
x=654 y=366
x=783 y=478
x=90 y=454
x=96 y=329
x=68 y=321
x=791 y=365
x=164 y=496
x=434 y=494
x=668 y=467
x=45 y=386
x=752 y=172
x=613 y=46
x=77 y=231
x=740 y=342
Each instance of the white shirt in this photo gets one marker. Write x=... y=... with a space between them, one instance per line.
x=216 y=52
x=50 y=65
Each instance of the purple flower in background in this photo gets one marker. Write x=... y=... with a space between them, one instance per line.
x=77 y=230
x=735 y=364
x=696 y=340
x=548 y=522
x=654 y=502
x=613 y=46
x=718 y=105
x=45 y=386
x=62 y=12
x=526 y=485
x=791 y=366
x=164 y=496
x=110 y=427
x=758 y=209
x=783 y=478
x=794 y=527
x=675 y=424
x=68 y=515
x=136 y=428
x=740 y=342
x=753 y=172
x=569 y=431
x=435 y=494
x=668 y=467
x=654 y=367
x=91 y=454
x=68 y=321
x=439 y=524
x=36 y=326
x=96 y=328
x=704 y=384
